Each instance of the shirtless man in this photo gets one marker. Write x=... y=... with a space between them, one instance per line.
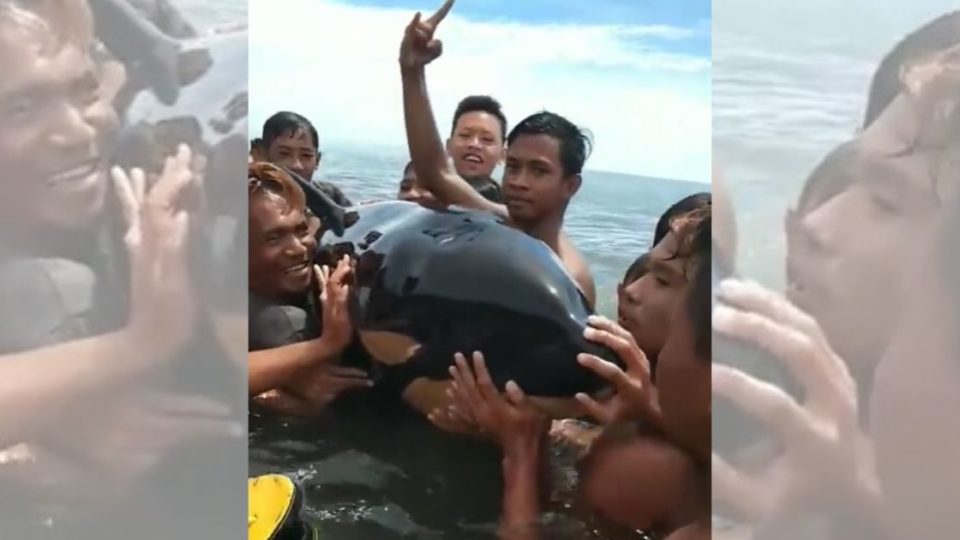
x=545 y=157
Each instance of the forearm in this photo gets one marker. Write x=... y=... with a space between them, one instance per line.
x=521 y=495
x=37 y=385
x=423 y=139
x=271 y=368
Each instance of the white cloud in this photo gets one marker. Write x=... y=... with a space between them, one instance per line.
x=648 y=108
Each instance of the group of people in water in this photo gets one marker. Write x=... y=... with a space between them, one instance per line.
x=118 y=334
x=645 y=460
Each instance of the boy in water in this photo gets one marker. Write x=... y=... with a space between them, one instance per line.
x=291 y=141
x=545 y=157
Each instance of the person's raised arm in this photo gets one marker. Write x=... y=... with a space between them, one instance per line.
x=272 y=368
x=434 y=169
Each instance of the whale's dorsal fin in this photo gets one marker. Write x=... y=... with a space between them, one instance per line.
x=332 y=215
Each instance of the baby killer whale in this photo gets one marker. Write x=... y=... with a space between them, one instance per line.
x=428 y=284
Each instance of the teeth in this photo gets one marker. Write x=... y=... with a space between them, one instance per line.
x=74 y=174
x=296 y=268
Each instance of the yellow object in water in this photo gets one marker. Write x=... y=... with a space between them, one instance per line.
x=274 y=505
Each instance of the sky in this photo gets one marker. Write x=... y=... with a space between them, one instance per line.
x=636 y=73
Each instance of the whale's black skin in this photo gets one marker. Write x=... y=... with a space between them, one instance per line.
x=135 y=40
x=460 y=281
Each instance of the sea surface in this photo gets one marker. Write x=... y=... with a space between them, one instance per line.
x=372 y=470
x=790 y=83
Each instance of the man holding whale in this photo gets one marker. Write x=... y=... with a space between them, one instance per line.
x=545 y=156
x=291 y=363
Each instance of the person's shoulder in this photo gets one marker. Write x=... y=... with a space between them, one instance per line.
x=275 y=325
x=43 y=301
x=577 y=266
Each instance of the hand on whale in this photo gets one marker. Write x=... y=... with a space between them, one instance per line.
x=418 y=47
x=635 y=396
x=509 y=418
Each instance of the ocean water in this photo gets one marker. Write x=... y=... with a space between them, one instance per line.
x=611 y=219
x=374 y=471
x=790 y=83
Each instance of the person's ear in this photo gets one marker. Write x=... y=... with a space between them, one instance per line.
x=571 y=185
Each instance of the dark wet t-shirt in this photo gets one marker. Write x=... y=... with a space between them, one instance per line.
x=274 y=324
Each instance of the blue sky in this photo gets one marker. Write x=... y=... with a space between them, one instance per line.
x=635 y=73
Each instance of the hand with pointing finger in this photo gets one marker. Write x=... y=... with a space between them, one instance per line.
x=419 y=47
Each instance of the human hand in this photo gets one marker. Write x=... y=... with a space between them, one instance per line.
x=418 y=47
x=334 y=300
x=163 y=309
x=510 y=419
x=635 y=397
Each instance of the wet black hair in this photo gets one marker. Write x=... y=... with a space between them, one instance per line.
x=679 y=208
x=485 y=104
x=288 y=123
x=636 y=270
x=575 y=143
x=408 y=168
x=937 y=35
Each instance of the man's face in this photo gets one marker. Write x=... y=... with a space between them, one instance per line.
x=281 y=248
x=651 y=300
x=476 y=144
x=56 y=129
x=534 y=184
x=295 y=151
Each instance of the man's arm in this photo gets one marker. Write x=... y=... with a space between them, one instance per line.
x=271 y=368
x=521 y=496
x=430 y=160
x=37 y=385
